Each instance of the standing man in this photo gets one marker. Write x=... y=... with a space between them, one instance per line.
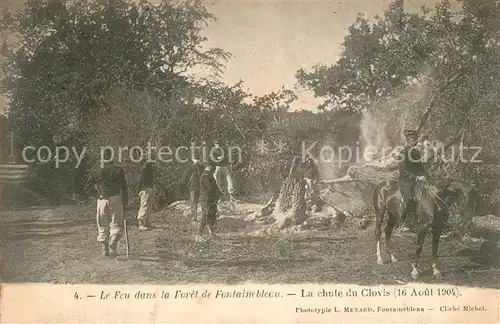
x=192 y=180
x=411 y=169
x=223 y=175
x=145 y=189
x=112 y=201
x=209 y=197
x=311 y=176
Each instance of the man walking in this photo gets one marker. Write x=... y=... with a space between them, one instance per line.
x=112 y=200
x=145 y=189
x=209 y=197
x=411 y=169
x=192 y=180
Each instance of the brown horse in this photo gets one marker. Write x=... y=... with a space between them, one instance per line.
x=433 y=209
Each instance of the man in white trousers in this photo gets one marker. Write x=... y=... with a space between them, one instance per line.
x=146 y=193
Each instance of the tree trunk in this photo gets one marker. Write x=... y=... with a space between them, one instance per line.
x=291 y=205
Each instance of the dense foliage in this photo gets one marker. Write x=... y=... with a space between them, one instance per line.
x=402 y=58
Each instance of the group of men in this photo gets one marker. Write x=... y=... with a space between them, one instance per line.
x=205 y=180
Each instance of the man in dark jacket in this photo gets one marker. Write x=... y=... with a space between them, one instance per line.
x=310 y=170
x=209 y=197
x=145 y=189
x=311 y=176
x=411 y=169
x=192 y=180
x=112 y=200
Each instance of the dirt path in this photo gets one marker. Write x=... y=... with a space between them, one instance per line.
x=58 y=245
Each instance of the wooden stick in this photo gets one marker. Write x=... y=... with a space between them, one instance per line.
x=426 y=114
x=434 y=97
x=126 y=236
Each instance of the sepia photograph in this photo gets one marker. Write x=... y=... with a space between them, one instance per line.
x=191 y=142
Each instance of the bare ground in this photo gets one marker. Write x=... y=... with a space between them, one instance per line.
x=58 y=245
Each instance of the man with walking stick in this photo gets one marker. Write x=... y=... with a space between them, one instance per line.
x=112 y=200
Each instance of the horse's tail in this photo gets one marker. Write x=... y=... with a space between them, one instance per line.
x=470 y=198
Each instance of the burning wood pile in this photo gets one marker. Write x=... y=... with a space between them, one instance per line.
x=290 y=208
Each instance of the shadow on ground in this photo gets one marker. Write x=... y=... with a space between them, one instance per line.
x=59 y=245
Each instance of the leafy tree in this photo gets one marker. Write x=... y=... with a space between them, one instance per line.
x=64 y=58
x=67 y=55
x=450 y=59
x=376 y=60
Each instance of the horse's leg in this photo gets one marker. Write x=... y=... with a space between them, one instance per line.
x=437 y=229
x=388 y=233
x=378 y=233
x=422 y=232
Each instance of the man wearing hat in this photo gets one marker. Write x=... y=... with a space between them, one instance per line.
x=311 y=176
x=192 y=180
x=223 y=175
x=209 y=197
x=411 y=169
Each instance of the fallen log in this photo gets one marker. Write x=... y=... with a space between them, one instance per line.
x=363 y=174
x=344 y=179
x=371 y=174
x=386 y=167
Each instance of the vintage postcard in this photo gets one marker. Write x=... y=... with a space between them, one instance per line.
x=262 y=161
